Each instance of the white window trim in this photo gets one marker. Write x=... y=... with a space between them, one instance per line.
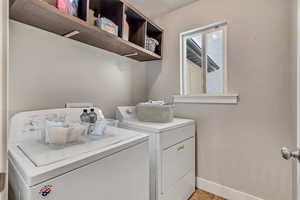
x=207 y=99
x=225 y=98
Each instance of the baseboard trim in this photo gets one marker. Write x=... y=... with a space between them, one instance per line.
x=223 y=191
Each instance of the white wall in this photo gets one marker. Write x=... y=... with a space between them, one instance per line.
x=239 y=145
x=47 y=70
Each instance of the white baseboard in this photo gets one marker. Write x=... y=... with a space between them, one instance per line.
x=223 y=191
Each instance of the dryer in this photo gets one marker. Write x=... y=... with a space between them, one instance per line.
x=172 y=154
x=112 y=167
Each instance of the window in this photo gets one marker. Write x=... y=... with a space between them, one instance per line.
x=204 y=62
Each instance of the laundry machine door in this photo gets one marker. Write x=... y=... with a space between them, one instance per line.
x=123 y=175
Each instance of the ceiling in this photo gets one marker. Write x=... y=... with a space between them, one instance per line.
x=155 y=8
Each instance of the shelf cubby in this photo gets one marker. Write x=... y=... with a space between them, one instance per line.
x=110 y=9
x=154 y=32
x=137 y=27
x=82 y=8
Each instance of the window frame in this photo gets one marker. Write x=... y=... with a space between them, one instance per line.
x=204 y=98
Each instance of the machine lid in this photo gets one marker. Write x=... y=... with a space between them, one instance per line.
x=41 y=154
x=36 y=162
x=25 y=136
x=19 y=123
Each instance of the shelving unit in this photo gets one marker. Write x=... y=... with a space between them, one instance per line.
x=44 y=15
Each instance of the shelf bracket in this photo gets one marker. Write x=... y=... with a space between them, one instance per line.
x=131 y=54
x=70 y=34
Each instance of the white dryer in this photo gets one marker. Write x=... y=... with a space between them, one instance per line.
x=112 y=167
x=172 y=154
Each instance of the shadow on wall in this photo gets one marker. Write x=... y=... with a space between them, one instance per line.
x=68 y=71
x=138 y=84
x=233 y=142
x=153 y=70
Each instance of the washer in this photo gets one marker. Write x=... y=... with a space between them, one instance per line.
x=99 y=168
x=172 y=154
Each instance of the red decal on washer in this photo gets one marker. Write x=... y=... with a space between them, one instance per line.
x=45 y=191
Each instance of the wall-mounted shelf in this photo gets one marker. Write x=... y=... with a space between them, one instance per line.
x=44 y=15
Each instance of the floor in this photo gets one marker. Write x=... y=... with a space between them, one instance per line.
x=202 y=195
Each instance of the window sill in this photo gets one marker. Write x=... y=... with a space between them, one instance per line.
x=208 y=99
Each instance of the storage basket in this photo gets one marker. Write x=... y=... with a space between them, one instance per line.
x=59 y=133
x=151 y=44
x=107 y=25
x=155 y=113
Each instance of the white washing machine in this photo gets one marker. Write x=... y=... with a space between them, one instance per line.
x=112 y=167
x=172 y=154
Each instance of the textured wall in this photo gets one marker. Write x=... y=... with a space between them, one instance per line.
x=3 y=89
x=47 y=70
x=239 y=145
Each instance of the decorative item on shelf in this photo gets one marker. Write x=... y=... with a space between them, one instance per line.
x=107 y=25
x=68 y=6
x=151 y=44
x=91 y=17
x=125 y=29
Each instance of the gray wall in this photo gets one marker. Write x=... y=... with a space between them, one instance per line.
x=239 y=145
x=293 y=84
x=47 y=70
x=3 y=89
